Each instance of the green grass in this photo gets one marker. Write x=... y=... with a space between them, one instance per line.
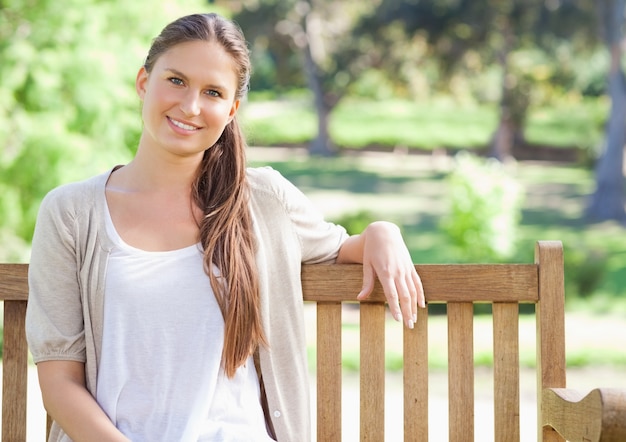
x=578 y=124
x=357 y=123
x=286 y=122
x=439 y=122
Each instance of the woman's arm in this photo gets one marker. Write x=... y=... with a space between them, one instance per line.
x=383 y=253
x=71 y=405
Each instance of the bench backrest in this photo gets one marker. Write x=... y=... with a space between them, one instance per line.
x=459 y=286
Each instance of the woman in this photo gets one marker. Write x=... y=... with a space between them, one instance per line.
x=165 y=300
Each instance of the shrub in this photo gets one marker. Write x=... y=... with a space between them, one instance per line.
x=485 y=208
x=585 y=267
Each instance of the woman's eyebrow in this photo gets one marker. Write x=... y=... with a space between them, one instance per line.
x=177 y=73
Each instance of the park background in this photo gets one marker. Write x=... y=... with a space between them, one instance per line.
x=477 y=126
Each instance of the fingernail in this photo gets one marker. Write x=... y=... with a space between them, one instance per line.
x=410 y=324
x=414 y=318
x=398 y=317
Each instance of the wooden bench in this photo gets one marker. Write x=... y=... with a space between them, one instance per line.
x=599 y=416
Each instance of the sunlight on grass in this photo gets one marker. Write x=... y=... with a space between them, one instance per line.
x=569 y=124
x=278 y=122
x=440 y=122
x=424 y=125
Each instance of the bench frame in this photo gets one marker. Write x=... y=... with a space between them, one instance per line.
x=599 y=416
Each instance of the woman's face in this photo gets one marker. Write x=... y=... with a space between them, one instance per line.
x=188 y=98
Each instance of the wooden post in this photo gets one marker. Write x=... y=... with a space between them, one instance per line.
x=550 y=317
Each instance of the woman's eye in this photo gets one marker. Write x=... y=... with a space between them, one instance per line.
x=213 y=93
x=176 y=81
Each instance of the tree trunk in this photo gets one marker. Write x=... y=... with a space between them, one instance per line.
x=504 y=137
x=322 y=144
x=607 y=202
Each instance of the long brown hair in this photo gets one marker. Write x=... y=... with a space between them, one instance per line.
x=221 y=191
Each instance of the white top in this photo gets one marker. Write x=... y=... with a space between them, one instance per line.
x=160 y=376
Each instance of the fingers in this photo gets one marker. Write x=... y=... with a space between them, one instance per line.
x=404 y=293
x=368 y=283
x=421 y=298
x=403 y=297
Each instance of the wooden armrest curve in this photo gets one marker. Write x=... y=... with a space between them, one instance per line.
x=598 y=416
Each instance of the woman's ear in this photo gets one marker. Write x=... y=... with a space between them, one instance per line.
x=140 y=82
x=233 y=110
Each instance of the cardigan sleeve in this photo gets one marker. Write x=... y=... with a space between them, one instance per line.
x=319 y=239
x=54 y=318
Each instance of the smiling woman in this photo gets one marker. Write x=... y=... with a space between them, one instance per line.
x=165 y=299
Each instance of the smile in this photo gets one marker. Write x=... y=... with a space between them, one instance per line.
x=182 y=125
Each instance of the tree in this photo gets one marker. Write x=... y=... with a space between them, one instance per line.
x=321 y=33
x=607 y=201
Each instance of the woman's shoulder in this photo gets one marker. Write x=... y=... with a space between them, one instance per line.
x=263 y=177
x=76 y=193
x=270 y=191
x=266 y=181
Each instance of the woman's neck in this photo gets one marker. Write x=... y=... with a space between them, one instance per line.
x=149 y=172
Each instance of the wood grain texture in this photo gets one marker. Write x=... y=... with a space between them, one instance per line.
x=600 y=416
x=14 y=282
x=461 y=371
x=328 y=371
x=415 y=379
x=372 y=372
x=506 y=372
x=550 y=324
x=14 y=372
x=442 y=283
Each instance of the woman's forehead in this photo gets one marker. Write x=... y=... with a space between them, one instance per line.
x=198 y=58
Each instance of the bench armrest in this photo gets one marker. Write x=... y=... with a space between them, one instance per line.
x=598 y=416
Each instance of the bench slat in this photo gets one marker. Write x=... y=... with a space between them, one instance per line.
x=328 y=369
x=506 y=371
x=461 y=371
x=372 y=372
x=415 y=381
x=442 y=283
x=14 y=372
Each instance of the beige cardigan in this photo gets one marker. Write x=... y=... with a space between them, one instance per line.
x=68 y=264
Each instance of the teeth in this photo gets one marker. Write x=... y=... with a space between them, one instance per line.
x=183 y=125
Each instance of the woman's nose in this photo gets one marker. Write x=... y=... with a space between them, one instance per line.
x=190 y=105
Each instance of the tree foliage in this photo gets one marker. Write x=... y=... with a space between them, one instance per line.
x=67 y=97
